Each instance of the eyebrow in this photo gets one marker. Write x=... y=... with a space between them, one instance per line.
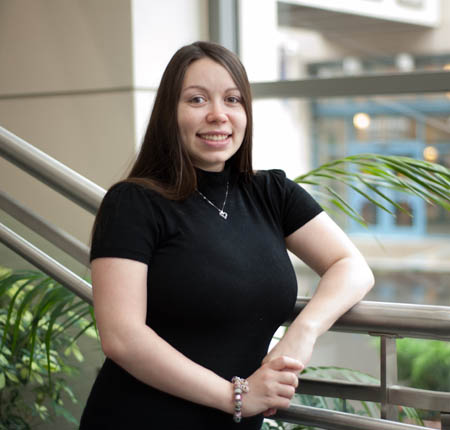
x=199 y=87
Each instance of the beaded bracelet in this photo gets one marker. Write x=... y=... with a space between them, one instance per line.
x=240 y=387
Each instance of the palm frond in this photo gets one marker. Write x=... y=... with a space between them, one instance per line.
x=371 y=175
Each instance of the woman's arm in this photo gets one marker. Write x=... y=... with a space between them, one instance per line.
x=120 y=304
x=345 y=280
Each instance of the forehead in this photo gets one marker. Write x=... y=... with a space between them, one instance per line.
x=207 y=72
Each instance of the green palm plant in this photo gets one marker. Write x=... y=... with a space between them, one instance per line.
x=40 y=322
x=370 y=174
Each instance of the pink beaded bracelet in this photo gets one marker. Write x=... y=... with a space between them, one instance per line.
x=240 y=387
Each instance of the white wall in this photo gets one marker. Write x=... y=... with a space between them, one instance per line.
x=159 y=31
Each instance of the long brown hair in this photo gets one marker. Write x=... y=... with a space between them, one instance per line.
x=163 y=164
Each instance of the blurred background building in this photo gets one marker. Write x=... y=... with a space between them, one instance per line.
x=78 y=77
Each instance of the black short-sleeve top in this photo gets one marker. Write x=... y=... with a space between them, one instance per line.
x=217 y=288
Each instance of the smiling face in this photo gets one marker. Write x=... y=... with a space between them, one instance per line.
x=211 y=116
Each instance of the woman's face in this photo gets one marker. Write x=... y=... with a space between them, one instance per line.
x=211 y=117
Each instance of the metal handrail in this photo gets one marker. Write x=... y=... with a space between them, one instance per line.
x=71 y=245
x=396 y=319
x=45 y=263
x=333 y=420
x=56 y=175
x=398 y=395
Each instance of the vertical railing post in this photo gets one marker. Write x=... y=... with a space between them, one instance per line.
x=388 y=375
x=445 y=421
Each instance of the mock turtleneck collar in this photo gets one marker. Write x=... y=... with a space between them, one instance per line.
x=205 y=177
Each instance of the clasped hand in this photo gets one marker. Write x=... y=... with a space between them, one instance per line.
x=272 y=386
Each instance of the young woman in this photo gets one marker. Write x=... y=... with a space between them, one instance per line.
x=190 y=270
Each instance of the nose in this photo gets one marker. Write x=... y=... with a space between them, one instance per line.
x=217 y=113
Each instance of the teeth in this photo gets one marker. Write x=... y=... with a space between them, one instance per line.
x=215 y=137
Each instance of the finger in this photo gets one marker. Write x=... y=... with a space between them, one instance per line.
x=285 y=362
x=269 y=412
x=286 y=391
x=289 y=378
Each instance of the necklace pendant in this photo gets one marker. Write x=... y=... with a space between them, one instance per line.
x=223 y=214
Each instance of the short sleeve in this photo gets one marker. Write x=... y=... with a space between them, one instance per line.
x=297 y=205
x=126 y=224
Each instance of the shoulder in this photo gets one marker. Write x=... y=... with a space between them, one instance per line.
x=270 y=177
x=126 y=225
x=273 y=181
x=124 y=188
x=272 y=173
x=127 y=202
x=128 y=194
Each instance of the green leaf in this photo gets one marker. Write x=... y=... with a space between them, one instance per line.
x=12 y=377
x=380 y=173
x=3 y=360
x=9 y=283
x=25 y=303
x=2 y=381
x=61 y=411
x=57 y=312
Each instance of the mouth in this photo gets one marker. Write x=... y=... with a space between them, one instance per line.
x=215 y=139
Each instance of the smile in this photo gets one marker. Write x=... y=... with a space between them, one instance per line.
x=215 y=137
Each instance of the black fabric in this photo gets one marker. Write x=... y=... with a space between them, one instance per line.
x=217 y=289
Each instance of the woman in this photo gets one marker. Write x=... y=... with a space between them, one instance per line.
x=190 y=271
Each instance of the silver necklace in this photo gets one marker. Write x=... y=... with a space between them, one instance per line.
x=222 y=213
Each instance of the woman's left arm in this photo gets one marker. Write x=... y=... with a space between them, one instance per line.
x=345 y=280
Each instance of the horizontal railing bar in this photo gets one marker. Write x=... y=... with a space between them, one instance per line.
x=339 y=389
x=397 y=395
x=46 y=169
x=57 y=236
x=397 y=319
x=349 y=86
x=45 y=263
x=417 y=398
x=333 y=420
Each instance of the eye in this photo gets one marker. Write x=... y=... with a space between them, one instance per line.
x=233 y=99
x=197 y=99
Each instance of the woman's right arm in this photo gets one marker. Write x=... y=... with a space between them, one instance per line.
x=120 y=304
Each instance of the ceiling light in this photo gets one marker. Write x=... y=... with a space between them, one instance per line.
x=361 y=121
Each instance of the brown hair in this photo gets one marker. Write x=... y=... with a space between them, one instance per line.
x=163 y=164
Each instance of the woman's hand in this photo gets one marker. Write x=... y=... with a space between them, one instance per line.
x=299 y=349
x=297 y=346
x=271 y=386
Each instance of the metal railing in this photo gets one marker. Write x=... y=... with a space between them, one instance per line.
x=57 y=176
x=46 y=169
x=46 y=263
x=56 y=235
x=387 y=320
